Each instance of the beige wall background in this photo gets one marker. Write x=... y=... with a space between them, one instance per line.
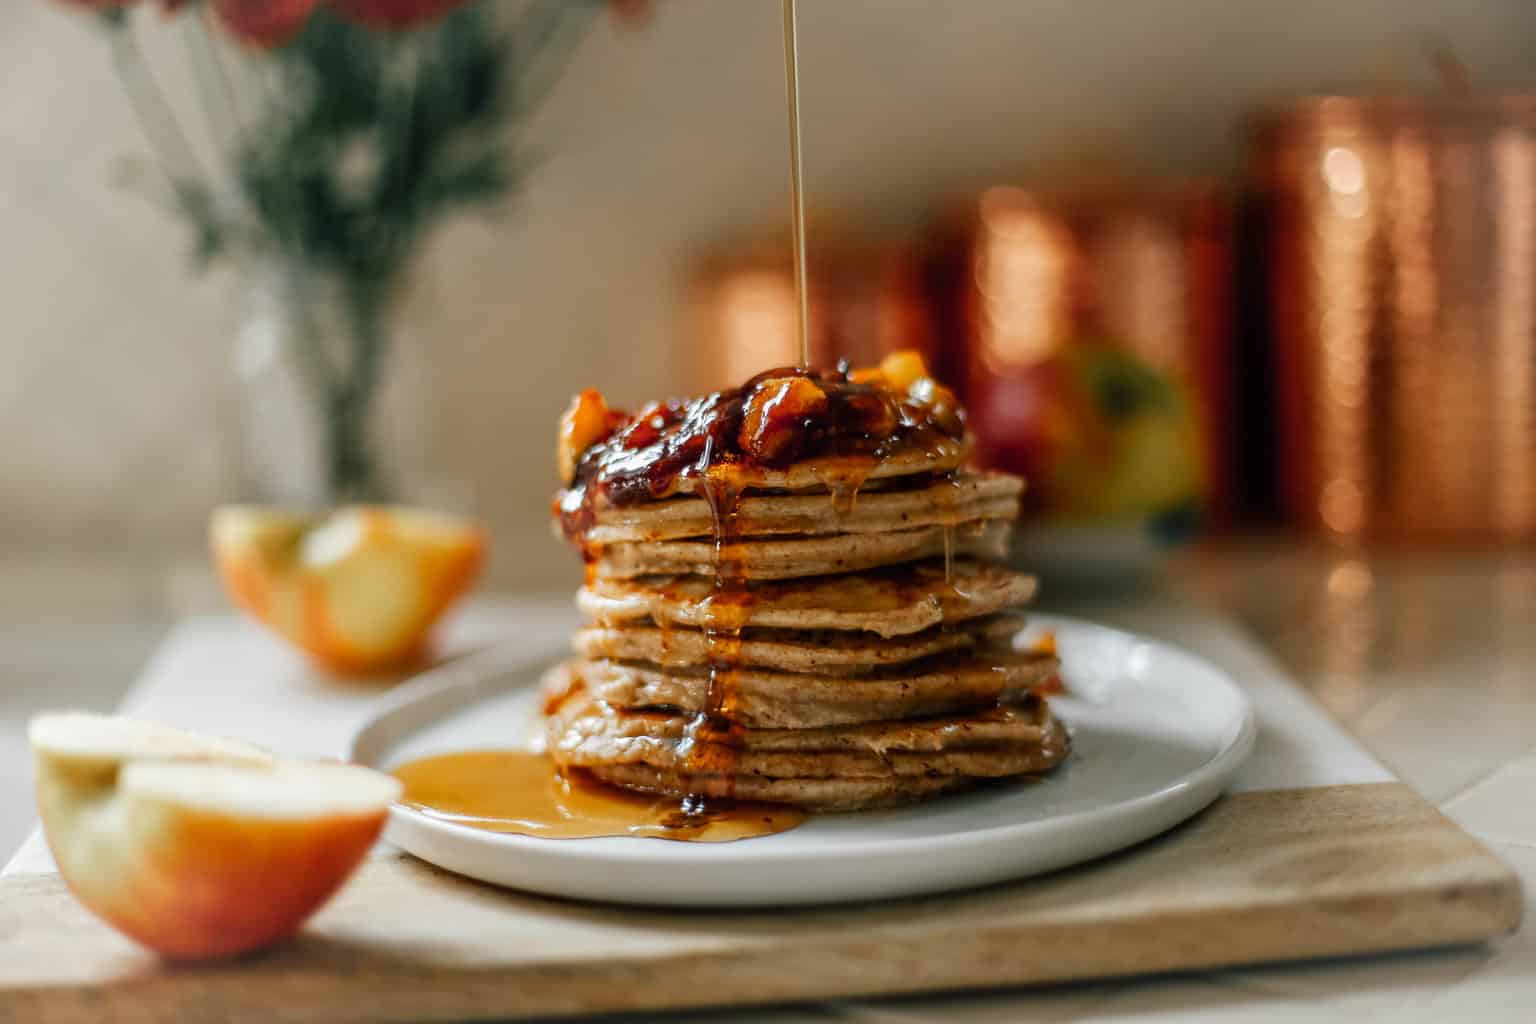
x=117 y=403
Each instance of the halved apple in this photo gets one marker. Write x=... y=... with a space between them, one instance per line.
x=359 y=589
x=195 y=846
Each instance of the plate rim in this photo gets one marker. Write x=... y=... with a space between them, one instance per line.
x=445 y=679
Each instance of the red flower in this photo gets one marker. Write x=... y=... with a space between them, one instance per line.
x=265 y=23
x=634 y=12
x=394 y=14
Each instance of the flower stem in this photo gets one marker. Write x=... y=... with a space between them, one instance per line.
x=543 y=38
x=402 y=66
x=354 y=472
x=155 y=116
x=227 y=124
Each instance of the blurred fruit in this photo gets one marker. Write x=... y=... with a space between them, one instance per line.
x=358 y=590
x=1026 y=420
x=196 y=846
x=1145 y=458
x=1101 y=437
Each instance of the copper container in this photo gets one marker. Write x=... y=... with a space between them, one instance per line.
x=1144 y=267
x=865 y=300
x=1402 y=246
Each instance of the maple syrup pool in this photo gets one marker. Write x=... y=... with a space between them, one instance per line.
x=524 y=793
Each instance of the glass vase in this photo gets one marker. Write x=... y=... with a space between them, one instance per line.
x=325 y=418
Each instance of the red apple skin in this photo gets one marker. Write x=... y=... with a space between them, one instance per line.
x=208 y=885
x=198 y=846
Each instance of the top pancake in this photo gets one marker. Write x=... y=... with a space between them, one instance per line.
x=823 y=473
x=945 y=501
x=830 y=471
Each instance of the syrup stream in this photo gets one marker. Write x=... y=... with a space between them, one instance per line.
x=714 y=734
x=797 y=193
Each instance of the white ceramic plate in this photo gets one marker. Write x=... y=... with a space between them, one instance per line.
x=1157 y=732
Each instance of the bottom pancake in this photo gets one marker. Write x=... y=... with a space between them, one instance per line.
x=821 y=795
x=873 y=764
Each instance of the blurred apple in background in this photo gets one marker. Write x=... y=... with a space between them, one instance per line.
x=1113 y=454
x=359 y=589
x=1118 y=444
x=196 y=846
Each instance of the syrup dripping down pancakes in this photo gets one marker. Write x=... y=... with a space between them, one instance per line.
x=795 y=597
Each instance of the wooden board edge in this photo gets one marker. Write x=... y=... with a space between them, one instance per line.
x=1483 y=902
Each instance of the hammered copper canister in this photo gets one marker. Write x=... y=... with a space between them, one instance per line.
x=1401 y=235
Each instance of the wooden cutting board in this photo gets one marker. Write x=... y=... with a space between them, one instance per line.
x=1273 y=875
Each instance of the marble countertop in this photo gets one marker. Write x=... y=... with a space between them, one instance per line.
x=1428 y=659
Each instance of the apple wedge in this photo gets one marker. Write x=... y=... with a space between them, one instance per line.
x=195 y=846
x=358 y=590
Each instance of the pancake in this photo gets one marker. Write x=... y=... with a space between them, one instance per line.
x=583 y=730
x=829 y=651
x=1000 y=741
x=784 y=700
x=794 y=595
x=943 y=502
x=822 y=795
x=890 y=602
x=787 y=558
x=994 y=761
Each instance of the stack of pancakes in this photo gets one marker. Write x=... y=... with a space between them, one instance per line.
x=834 y=634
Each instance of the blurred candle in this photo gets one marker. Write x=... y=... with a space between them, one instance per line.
x=866 y=299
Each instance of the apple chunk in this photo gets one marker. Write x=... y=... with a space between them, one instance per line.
x=193 y=845
x=358 y=589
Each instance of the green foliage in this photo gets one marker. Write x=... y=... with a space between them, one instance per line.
x=364 y=141
x=1122 y=386
x=367 y=139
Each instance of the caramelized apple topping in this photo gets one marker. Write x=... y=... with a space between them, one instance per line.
x=778 y=415
x=774 y=420
x=903 y=369
x=941 y=401
x=897 y=371
x=587 y=421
